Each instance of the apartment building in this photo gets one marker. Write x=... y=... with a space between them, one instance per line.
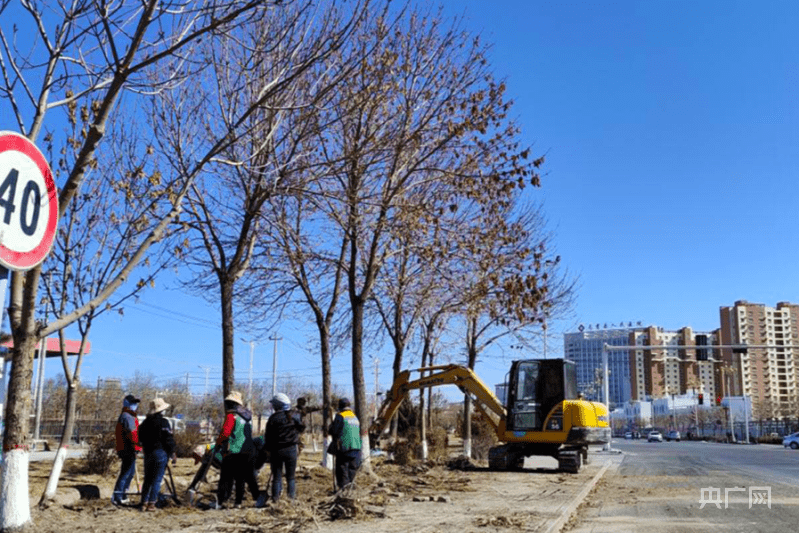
x=768 y=374
x=687 y=368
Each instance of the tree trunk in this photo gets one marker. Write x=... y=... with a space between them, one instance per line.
x=73 y=380
x=14 y=499
x=467 y=426
x=422 y=412
x=467 y=401
x=431 y=362
x=63 y=447
x=228 y=377
x=324 y=339
x=358 y=384
x=399 y=349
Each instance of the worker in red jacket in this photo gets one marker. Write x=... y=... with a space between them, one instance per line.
x=127 y=437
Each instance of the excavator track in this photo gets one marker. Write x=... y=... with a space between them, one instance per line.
x=569 y=460
x=505 y=457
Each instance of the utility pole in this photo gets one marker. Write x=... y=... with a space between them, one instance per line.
x=97 y=400
x=275 y=338
x=205 y=397
x=40 y=388
x=207 y=369
x=249 y=386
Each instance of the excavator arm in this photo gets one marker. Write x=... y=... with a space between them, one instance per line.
x=462 y=377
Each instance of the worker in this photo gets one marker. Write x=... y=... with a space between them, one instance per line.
x=238 y=453
x=155 y=435
x=127 y=445
x=345 y=432
x=282 y=434
x=304 y=409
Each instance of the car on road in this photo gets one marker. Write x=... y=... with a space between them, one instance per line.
x=791 y=440
x=654 y=436
x=673 y=435
x=628 y=435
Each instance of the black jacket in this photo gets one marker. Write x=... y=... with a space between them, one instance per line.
x=283 y=429
x=156 y=434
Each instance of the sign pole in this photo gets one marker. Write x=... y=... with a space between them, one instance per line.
x=4 y=274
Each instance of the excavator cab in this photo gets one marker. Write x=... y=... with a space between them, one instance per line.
x=535 y=388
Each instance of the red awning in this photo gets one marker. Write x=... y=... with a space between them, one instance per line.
x=54 y=347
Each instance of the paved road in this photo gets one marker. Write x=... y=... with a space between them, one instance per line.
x=693 y=486
x=72 y=453
x=767 y=463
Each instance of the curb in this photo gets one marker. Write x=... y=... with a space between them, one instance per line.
x=558 y=524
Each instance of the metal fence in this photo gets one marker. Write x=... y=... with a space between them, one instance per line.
x=52 y=429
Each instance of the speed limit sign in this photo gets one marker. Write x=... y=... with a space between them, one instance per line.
x=28 y=203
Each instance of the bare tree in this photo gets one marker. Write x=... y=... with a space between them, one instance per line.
x=510 y=285
x=314 y=264
x=224 y=211
x=101 y=58
x=421 y=112
x=106 y=224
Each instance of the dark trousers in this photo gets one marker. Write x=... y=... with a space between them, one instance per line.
x=347 y=464
x=126 y=472
x=154 y=468
x=280 y=459
x=238 y=468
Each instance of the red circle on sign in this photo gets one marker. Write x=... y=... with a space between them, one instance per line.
x=24 y=260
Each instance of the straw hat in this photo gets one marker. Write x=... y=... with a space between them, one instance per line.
x=158 y=405
x=234 y=396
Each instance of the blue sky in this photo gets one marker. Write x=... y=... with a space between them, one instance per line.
x=671 y=135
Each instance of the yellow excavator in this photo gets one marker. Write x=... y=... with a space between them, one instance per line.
x=543 y=414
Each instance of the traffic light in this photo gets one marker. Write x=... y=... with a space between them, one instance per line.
x=718 y=400
x=701 y=399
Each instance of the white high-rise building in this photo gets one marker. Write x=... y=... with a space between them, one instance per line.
x=585 y=348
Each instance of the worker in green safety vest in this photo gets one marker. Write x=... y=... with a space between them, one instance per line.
x=238 y=452
x=345 y=431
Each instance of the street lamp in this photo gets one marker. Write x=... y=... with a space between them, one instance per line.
x=726 y=370
x=670 y=391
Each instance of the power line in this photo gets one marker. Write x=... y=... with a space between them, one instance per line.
x=184 y=315
x=178 y=319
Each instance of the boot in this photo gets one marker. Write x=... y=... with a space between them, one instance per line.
x=151 y=506
x=262 y=500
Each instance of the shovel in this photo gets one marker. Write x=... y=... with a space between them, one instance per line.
x=172 y=486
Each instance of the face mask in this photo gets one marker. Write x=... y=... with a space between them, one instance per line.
x=133 y=407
